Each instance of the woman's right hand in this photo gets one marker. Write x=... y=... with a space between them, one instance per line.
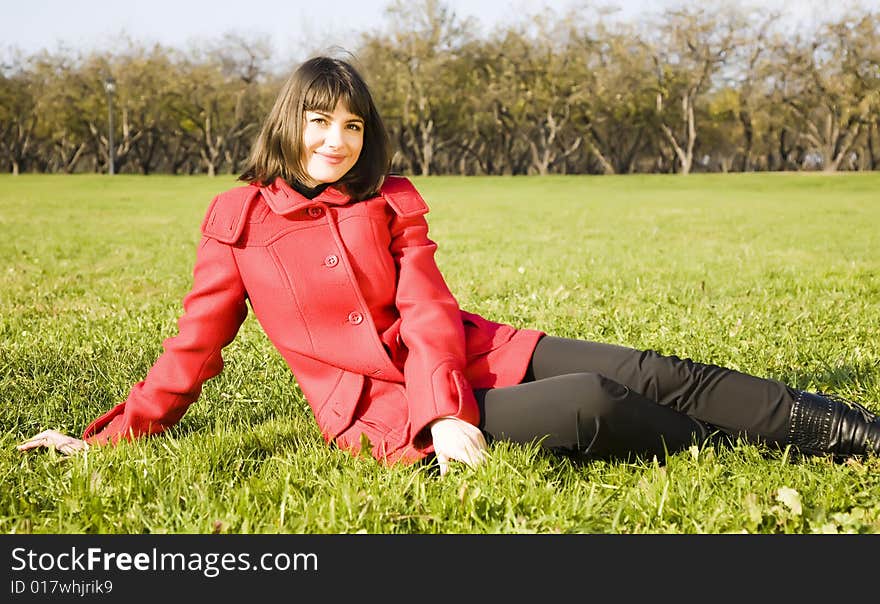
x=52 y=439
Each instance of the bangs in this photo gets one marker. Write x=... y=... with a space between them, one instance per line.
x=326 y=91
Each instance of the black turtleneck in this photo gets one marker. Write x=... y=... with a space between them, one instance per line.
x=309 y=192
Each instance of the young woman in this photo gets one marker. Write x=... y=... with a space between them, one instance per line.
x=334 y=258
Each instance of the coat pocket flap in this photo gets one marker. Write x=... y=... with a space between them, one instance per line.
x=337 y=412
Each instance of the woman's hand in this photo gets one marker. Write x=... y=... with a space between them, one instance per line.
x=455 y=439
x=52 y=439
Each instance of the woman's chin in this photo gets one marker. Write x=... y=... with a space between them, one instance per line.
x=324 y=177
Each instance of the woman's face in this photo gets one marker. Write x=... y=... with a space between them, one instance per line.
x=333 y=143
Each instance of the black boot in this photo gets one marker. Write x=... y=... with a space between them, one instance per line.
x=824 y=423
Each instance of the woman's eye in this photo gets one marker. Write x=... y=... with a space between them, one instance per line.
x=355 y=127
x=318 y=120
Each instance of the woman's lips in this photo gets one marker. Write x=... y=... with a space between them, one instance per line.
x=332 y=159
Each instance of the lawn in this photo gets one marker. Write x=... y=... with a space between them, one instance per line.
x=777 y=275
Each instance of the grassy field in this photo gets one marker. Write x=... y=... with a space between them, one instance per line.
x=776 y=275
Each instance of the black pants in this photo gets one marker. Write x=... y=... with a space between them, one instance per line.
x=614 y=401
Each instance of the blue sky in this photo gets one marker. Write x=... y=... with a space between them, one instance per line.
x=290 y=25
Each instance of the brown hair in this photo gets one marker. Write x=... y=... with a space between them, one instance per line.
x=318 y=85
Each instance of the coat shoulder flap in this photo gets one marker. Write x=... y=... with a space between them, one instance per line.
x=227 y=214
x=403 y=198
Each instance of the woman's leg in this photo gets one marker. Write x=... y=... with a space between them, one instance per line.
x=739 y=404
x=586 y=412
x=734 y=402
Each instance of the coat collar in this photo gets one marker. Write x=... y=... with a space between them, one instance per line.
x=284 y=199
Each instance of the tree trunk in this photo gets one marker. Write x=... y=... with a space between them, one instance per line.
x=607 y=167
x=426 y=133
x=745 y=118
x=684 y=153
x=873 y=156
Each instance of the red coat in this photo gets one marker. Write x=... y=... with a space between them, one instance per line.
x=350 y=295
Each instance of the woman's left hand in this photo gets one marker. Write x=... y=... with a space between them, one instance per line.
x=455 y=439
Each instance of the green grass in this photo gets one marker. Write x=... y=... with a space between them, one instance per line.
x=775 y=275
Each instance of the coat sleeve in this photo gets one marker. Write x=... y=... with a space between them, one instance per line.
x=214 y=309
x=432 y=330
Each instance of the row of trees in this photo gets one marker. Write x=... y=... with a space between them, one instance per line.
x=687 y=90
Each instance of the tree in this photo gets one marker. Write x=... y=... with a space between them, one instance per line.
x=213 y=110
x=614 y=98
x=18 y=116
x=690 y=47
x=830 y=86
x=409 y=66
x=146 y=79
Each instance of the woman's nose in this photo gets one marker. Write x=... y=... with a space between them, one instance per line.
x=333 y=137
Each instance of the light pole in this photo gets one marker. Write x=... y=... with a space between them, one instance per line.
x=110 y=87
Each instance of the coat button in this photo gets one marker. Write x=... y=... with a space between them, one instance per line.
x=331 y=260
x=355 y=318
x=316 y=212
